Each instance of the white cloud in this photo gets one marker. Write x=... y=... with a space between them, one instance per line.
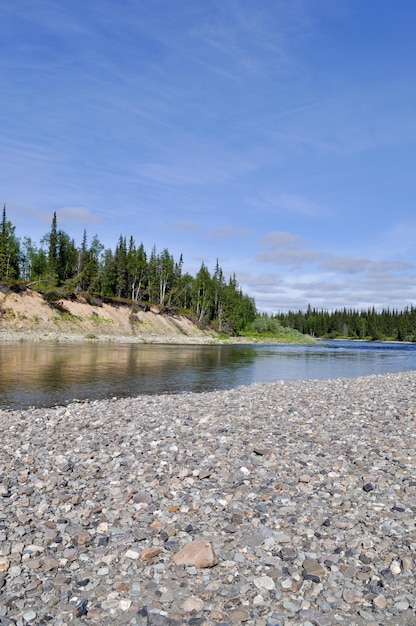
x=77 y=214
x=286 y=249
x=185 y=226
x=288 y=204
x=230 y=231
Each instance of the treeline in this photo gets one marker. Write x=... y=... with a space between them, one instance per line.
x=58 y=265
x=388 y=324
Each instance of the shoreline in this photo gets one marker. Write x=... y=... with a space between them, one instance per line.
x=198 y=338
x=304 y=490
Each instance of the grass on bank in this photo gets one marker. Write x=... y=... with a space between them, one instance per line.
x=265 y=329
x=291 y=336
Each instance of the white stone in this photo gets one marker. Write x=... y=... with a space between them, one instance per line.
x=132 y=554
x=29 y=616
x=125 y=604
x=264 y=582
x=193 y=603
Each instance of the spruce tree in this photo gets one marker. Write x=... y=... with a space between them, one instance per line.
x=9 y=250
x=53 y=249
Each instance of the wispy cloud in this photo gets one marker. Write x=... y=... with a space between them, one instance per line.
x=79 y=215
x=230 y=231
x=287 y=249
x=197 y=166
x=289 y=204
x=185 y=226
x=355 y=265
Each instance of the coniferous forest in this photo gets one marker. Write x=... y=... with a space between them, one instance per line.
x=388 y=324
x=57 y=267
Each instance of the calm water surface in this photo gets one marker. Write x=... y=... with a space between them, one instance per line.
x=49 y=374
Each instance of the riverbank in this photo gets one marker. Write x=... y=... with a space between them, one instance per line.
x=302 y=493
x=27 y=317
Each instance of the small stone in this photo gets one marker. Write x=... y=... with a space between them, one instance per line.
x=81 y=608
x=288 y=554
x=198 y=553
x=82 y=537
x=49 y=563
x=261 y=451
x=401 y=606
x=125 y=604
x=304 y=478
x=264 y=582
x=167 y=596
x=323 y=620
x=395 y=567
x=149 y=553
x=313 y=577
x=407 y=564
x=368 y=487
x=286 y=583
x=313 y=567
x=238 y=616
x=142 y=497
x=34 y=564
x=380 y=601
x=351 y=595
x=4 y=564
x=291 y=606
x=4 y=490
x=193 y=603
x=132 y=554
x=29 y=616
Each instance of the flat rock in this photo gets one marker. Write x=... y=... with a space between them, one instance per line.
x=313 y=567
x=198 y=553
x=193 y=603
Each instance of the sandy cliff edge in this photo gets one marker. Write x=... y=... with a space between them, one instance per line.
x=26 y=316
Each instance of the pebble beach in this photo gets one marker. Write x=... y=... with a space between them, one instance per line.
x=289 y=503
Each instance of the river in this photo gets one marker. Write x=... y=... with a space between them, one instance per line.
x=43 y=374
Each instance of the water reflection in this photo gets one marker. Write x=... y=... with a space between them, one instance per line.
x=48 y=374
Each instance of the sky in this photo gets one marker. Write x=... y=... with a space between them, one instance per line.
x=277 y=136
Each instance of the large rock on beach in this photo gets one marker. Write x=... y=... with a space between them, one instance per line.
x=198 y=553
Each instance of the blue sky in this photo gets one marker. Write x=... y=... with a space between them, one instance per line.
x=277 y=136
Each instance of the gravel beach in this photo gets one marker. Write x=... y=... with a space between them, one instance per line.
x=271 y=504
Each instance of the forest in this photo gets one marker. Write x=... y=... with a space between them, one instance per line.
x=58 y=268
x=385 y=325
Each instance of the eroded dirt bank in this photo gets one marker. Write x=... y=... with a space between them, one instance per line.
x=26 y=316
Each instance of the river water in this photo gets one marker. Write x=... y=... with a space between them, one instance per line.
x=45 y=374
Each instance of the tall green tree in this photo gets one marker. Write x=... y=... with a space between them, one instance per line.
x=136 y=270
x=10 y=256
x=52 y=240
x=34 y=261
x=203 y=296
x=165 y=271
x=120 y=259
x=67 y=256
